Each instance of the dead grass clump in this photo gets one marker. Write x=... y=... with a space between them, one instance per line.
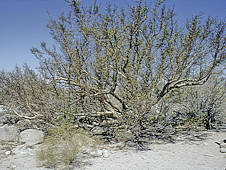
x=63 y=144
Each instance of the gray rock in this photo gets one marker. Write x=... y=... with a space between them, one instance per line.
x=9 y=133
x=104 y=153
x=31 y=137
x=222 y=146
x=97 y=153
x=3 y=109
x=223 y=149
x=8 y=152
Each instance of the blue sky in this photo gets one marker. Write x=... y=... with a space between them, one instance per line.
x=22 y=23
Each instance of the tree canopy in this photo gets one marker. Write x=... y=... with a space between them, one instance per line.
x=124 y=62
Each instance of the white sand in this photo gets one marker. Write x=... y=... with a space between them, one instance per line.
x=183 y=155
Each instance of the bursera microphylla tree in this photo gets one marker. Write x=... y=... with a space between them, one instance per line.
x=125 y=62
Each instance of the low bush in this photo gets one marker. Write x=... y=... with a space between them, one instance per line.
x=62 y=144
x=200 y=106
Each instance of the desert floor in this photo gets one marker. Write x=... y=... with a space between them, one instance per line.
x=197 y=151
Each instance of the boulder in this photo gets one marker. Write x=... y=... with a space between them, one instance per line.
x=31 y=137
x=9 y=133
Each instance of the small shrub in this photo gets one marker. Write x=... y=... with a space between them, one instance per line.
x=63 y=144
x=200 y=106
x=68 y=115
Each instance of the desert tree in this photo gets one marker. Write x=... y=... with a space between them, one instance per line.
x=28 y=95
x=124 y=62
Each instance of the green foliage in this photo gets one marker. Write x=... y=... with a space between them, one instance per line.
x=67 y=114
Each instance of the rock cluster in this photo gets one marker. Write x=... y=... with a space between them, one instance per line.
x=28 y=137
x=18 y=141
x=14 y=129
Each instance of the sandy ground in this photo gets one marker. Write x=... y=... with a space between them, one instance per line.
x=195 y=152
x=198 y=152
x=19 y=158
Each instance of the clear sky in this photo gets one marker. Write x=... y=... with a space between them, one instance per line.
x=22 y=23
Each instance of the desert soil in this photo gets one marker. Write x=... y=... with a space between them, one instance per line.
x=197 y=151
